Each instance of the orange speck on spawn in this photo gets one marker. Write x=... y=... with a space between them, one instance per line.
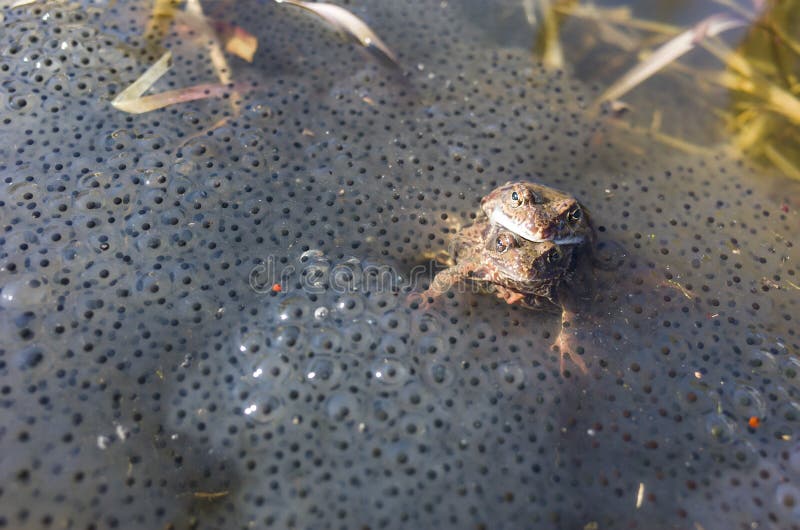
x=276 y=288
x=754 y=422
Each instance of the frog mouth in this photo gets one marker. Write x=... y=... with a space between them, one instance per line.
x=500 y=218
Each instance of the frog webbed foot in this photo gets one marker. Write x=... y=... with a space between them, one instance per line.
x=569 y=342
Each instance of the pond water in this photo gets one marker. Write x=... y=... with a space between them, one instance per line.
x=203 y=315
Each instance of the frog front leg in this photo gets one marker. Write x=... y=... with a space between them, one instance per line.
x=442 y=282
x=509 y=296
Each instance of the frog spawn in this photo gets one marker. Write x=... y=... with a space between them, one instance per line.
x=132 y=331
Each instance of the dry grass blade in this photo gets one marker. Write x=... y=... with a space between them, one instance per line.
x=669 y=52
x=529 y=6
x=349 y=24
x=741 y=10
x=161 y=16
x=194 y=17
x=198 y=22
x=781 y=162
x=548 y=45
x=171 y=97
x=235 y=39
x=666 y=139
x=617 y=15
x=131 y=99
x=751 y=131
x=17 y=3
x=145 y=81
x=609 y=34
x=210 y=495
x=777 y=99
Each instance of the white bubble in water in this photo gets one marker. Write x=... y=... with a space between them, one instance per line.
x=323 y=371
x=272 y=369
x=260 y=403
x=321 y=313
x=389 y=371
x=24 y=292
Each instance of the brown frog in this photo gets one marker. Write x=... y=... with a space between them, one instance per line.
x=536 y=275
x=518 y=271
x=526 y=251
x=538 y=213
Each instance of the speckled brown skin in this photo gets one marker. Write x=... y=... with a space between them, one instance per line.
x=538 y=213
x=518 y=271
x=525 y=273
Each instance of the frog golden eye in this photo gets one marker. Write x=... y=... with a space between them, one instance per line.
x=504 y=242
x=522 y=196
x=575 y=215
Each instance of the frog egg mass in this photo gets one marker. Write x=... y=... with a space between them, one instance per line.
x=203 y=320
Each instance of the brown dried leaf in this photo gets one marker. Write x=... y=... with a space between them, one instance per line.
x=237 y=40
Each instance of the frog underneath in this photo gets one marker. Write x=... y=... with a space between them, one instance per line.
x=518 y=271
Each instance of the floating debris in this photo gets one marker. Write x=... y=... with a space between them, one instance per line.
x=348 y=24
x=547 y=44
x=781 y=162
x=237 y=40
x=671 y=51
x=128 y=99
x=131 y=99
x=662 y=137
x=210 y=495
x=194 y=17
x=161 y=17
x=760 y=71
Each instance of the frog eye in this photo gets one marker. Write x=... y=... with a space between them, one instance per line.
x=504 y=242
x=575 y=215
x=553 y=256
x=522 y=196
